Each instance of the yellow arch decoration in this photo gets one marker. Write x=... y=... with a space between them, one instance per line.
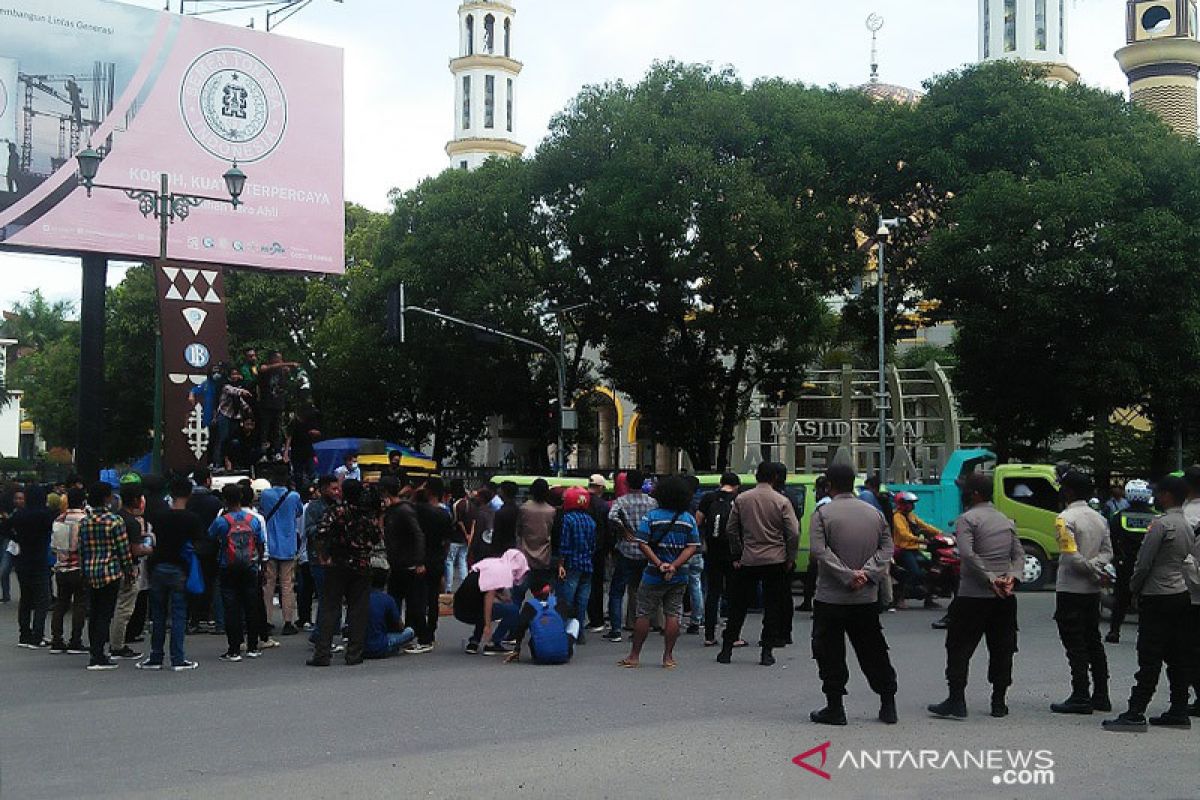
x=633 y=427
x=611 y=395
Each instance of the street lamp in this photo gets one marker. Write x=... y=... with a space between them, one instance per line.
x=886 y=226
x=165 y=206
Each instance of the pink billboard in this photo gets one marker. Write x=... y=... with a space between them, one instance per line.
x=162 y=93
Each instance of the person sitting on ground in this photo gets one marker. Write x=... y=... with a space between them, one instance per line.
x=385 y=637
x=484 y=598
x=553 y=629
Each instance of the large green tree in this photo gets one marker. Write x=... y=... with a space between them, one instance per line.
x=703 y=258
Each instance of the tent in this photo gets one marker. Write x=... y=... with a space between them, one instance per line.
x=331 y=453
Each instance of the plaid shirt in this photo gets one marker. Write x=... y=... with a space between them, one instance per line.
x=635 y=505
x=578 y=541
x=104 y=549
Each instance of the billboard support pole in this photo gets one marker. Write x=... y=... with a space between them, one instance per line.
x=89 y=437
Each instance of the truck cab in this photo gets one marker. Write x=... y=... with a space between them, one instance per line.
x=1025 y=493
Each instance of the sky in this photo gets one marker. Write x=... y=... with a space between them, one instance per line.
x=399 y=94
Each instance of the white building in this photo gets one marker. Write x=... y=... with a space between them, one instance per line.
x=485 y=82
x=1027 y=30
x=10 y=413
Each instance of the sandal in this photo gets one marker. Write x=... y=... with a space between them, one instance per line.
x=741 y=643
x=671 y=664
x=627 y=664
x=710 y=642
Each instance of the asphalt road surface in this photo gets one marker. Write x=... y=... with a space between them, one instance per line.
x=448 y=725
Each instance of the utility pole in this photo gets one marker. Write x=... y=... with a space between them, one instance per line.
x=883 y=234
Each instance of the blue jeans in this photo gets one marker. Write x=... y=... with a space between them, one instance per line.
x=914 y=573
x=695 y=575
x=167 y=583
x=456 y=563
x=6 y=568
x=318 y=576
x=574 y=590
x=504 y=619
x=220 y=431
x=395 y=641
x=627 y=572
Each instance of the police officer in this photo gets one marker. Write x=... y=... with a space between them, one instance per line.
x=1191 y=511
x=1127 y=528
x=1086 y=551
x=853 y=544
x=1164 y=607
x=992 y=558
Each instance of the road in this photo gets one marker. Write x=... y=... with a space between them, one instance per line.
x=451 y=725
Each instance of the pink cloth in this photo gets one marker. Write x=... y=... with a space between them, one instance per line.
x=504 y=572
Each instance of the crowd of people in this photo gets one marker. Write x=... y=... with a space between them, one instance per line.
x=383 y=562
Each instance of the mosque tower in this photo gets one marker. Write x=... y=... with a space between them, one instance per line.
x=485 y=78
x=1162 y=59
x=1027 y=30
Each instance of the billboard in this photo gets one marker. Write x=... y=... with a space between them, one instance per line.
x=161 y=93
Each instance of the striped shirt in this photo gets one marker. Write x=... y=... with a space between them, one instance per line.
x=578 y=541
x=104 y=549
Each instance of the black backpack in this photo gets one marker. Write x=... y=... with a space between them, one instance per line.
x=716 y=520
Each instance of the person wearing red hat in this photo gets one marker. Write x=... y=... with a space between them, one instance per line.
x=577 y=544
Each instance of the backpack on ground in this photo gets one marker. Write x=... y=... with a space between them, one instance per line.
x=548 y=633
x=241 y=545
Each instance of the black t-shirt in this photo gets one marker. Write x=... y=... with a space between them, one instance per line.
x=302 y=443
x=172 y=530
x=271 y=387
x=716 y=508
x=437 y=527
x=504 y=531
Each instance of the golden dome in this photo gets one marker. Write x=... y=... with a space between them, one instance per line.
x=892 y=92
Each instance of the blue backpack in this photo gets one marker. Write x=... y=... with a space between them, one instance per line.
x=548 y=633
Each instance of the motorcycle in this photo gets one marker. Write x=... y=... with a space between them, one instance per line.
x=941 y=563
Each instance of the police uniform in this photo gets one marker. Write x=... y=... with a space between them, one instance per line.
x=1127 y=528
x=1086 y=549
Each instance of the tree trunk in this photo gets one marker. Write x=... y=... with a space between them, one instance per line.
x=729 y=412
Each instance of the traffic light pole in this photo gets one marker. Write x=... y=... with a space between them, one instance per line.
x=556 y=357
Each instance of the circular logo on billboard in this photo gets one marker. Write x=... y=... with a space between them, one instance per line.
x=233 y=105
x=196 y=355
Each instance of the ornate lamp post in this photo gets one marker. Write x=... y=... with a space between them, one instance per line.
x=167 y=207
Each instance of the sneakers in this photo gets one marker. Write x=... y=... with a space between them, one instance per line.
x=184 y=666
x=596 y=628
x=231 y=658
x=289 y=629
x=28 y=645
x=254 y=654
x=940 y=624
x=495 y=650
x=76 y=649
x=308 y=626
x=338 y=648
x=1129 y=722
x=472 y=648
x=951 y=708
x=693 y=630
x=97 y=666
x=416 y=649
x=148 y=664
x=613 y=635
x=268 y=644
x=126 y=652
x=58 y=648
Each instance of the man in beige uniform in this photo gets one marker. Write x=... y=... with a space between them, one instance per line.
x=853 y=545
x=992 y=558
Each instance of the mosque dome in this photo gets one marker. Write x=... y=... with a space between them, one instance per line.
x=890 y=91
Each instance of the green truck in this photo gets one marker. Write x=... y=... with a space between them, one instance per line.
x=1025 y=493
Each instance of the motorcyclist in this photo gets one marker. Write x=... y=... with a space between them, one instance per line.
x=1128 y=527
x=907 y=528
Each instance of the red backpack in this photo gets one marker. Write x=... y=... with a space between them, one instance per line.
x=241 y=545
